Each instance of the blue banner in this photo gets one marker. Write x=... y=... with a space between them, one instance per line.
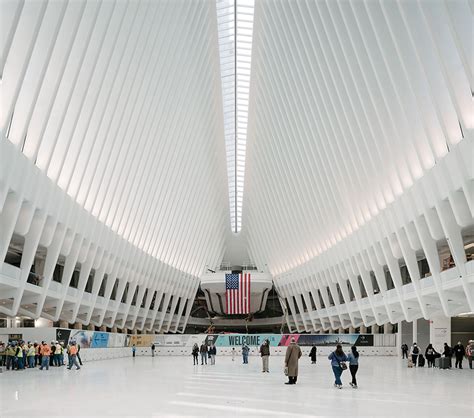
x=100 y=340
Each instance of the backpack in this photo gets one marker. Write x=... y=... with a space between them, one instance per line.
x=415 y=350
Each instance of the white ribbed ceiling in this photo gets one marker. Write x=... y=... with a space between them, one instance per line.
x=119 y=104
x=351 y=103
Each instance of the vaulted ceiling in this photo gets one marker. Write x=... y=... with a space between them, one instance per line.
x=119 y=104
x=360 y=125
x=351 y=104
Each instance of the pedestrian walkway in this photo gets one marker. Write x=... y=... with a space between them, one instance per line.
x=172 y=386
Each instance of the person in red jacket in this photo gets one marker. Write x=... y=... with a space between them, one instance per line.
x=73 y=356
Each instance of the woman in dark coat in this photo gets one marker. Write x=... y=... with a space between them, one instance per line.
x=430 y=354
x=312 y=354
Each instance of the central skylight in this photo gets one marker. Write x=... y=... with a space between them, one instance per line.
x=235 y=26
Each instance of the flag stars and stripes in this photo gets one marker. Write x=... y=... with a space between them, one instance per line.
x=237 y=292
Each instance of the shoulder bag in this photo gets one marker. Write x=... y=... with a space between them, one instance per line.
x=342 y=364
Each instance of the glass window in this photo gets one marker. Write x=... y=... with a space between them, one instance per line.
x=235 y=29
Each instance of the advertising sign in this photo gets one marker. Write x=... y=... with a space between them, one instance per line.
x=176 y=340
x=83 y=338
x=141 y=340
x=118 y=340
x=276 y=340
x=62 y=335
x=100 y=340
x=323 y=340
x=235 y=340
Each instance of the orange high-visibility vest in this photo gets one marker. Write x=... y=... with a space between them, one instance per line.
x=73 y=350
x=45 y=350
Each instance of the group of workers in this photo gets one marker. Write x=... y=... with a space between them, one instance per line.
x=18 y=355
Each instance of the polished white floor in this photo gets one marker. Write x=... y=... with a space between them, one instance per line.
x=172 y=386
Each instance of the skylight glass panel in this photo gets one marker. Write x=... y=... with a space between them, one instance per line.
x=235 y=29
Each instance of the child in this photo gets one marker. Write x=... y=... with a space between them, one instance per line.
x=233 y=353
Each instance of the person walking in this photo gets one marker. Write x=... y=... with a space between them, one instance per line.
x=245 y=354
x=470 y=352
x=265 y=354
x=203 y=350
x=73 y=356
x=459 y=352
x=448 y=353
x=404 y=351
x=415 y=351
x=134 y=350
x=353 y=358
x=45 y=354
x=233 y=353
x=312 y=354
x=293 y=354
x=195 y=353
x=153 y=350
x=430 y=354
x=338 y=363
x=212 y=354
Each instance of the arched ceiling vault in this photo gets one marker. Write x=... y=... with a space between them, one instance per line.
x=355 y=139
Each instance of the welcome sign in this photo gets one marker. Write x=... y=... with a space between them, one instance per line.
x=234 y=340
x=283 y=340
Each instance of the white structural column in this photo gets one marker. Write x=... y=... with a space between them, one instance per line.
x=415 y=331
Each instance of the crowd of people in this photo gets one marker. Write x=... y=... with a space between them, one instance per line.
x=21 y=355
x=293 y=354
x=340 y=360
x=417 y=359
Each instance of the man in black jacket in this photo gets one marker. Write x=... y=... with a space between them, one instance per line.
x=448 y=353
x=404 y=351
x=459 y=353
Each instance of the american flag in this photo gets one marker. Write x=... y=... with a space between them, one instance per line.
x=237 y=293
